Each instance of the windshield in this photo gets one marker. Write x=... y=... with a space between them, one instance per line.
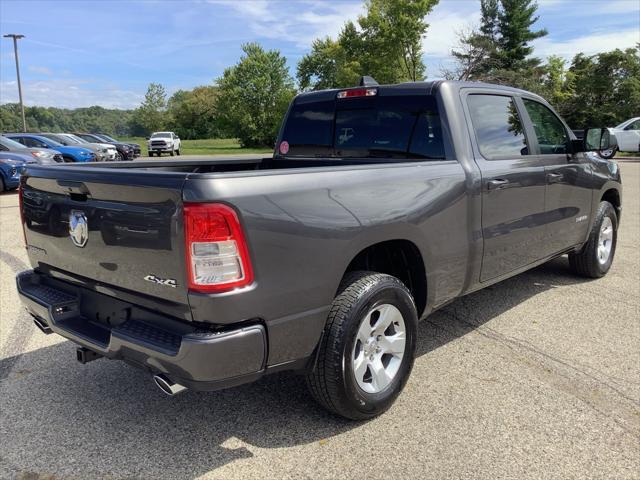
x=161 y=135
x=366 y=127
x=76 y=138
x=70 y=139
x=107 y=138
x=52 y=143
x=11 y=144
x=56 y=138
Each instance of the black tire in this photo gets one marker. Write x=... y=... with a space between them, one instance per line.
x=118 y=157
x=150 y=154
x=332 y=382
x=171 y=153
x=67 y=159
x=178 y=152
x=608 y=154
x=2 y=184
x=586 y=262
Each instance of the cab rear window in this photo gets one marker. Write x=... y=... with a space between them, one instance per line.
x=393 y=126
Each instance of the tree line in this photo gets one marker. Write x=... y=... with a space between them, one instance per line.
x=250 y=99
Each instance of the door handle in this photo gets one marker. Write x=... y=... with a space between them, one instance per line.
x=497 y=184
x=554 y=177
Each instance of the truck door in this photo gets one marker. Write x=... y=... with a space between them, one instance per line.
x=568 y=177
x=513 y=185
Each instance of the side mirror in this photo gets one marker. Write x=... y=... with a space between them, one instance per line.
x=597 y=139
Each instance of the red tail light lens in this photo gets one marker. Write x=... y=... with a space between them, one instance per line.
x=217 y=253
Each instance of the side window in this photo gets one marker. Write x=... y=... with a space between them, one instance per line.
x=427 y=139
x=24 y=140
x=633 y=125
x=550 y=132
x=497 y=126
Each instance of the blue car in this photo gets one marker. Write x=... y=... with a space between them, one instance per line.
x=70 y=154
x=10 y=171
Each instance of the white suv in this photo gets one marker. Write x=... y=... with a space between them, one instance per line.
x=167 y=142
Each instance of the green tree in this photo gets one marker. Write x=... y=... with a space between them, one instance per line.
x=515 y=21
x=499 y=50
x=606 y=89
x=386 y=44
x=151 y=113
x=254 y=95
x=558 y=82
x=327 y=66
x=192 y=113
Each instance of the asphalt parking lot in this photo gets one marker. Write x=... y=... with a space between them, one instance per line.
x=536 y=377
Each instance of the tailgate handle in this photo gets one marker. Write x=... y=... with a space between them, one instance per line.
x=73 y=187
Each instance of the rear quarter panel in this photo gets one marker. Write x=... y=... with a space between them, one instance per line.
x=305 y=227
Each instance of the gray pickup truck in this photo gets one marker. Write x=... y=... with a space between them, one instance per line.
x=379 y=205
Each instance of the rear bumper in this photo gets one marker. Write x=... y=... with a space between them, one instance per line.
x=197 y=359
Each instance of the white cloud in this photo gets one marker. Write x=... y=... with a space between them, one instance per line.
x=279 y=20
x=65 y=93
x=588 y=44
x=39 y=69
x=445 y=23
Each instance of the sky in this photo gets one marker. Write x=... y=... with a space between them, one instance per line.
x=105 y=52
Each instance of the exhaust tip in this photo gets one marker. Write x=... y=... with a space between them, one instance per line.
x=168 y=386
x=42 y=325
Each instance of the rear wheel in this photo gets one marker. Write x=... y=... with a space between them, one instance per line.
x=366 y=353
x=596 y=257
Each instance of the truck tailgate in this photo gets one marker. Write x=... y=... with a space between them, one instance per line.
x=110 y=227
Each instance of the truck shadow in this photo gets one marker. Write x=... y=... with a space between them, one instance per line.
x=63 y=419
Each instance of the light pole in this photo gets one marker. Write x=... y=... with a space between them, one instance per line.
x=15 y=51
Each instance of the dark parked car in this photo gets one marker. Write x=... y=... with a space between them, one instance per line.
x=125 y=151
x=69 y=154
x=41 y=155
x=380 y=205
x=136 y=147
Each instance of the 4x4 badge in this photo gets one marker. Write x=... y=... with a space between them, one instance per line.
x=78 y=228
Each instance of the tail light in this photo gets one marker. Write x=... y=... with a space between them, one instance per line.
x=21 y=208
x=217 y=253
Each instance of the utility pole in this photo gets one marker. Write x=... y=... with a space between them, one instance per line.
x=15 y=51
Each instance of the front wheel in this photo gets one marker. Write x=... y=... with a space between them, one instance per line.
x=367 y=350
x=118 y=157
x=608 y=154
x=178 y=152
x=596 y=257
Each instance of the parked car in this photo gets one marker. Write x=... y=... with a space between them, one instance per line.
x=380 y=205
x=110 y=150
x=42 y=155
x=99 y=152
x=10 y=171
x=134 y=146
x=627 y=136
x=70 y=154
x=163 y=142
x=124 y=150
